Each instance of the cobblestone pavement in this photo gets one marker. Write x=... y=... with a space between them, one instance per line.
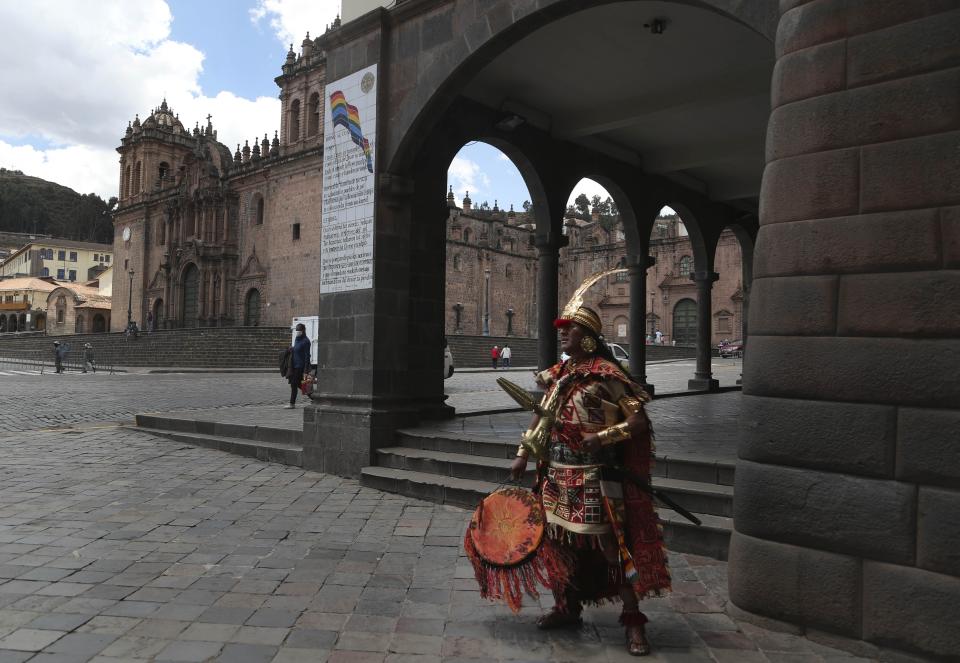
x=29 y=402
x=116 y=546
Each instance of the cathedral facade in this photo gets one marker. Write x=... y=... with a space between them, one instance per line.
x=206 y=237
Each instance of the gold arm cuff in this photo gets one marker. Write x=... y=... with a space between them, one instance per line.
x=521 y=452
x=614 y=434
x=630 y=405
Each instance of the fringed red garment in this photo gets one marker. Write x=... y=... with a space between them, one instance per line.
x=505 y=543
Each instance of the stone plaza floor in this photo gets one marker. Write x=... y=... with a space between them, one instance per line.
x=118 y=546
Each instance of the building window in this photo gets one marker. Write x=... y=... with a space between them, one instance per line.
x=73 y=275
x=44 y=272
x=96 y=257
x=622 y=276
x=259 y=216
x=723 y=324
x=79 y=324
x=126 y=264
x=466 y=235
x=136 y=178
x=313 y=121
x=509 y=271
x=163 y=170
x=73 y=256
x=296 y=231
x=61 y=274
x=60 y=316
x=686 y=265
x=457 y=265
x=61 y=255
x=294 y=134
x=106 y=258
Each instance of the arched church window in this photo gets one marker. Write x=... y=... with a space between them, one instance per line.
x=686 y=265
x=294 y=133
x=163 y=171
x=313 y=120
x=126 y=184
x=466 y=235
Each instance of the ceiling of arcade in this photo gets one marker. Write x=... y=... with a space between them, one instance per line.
x=691 y=103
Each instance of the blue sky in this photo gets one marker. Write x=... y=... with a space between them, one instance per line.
x=98 y=69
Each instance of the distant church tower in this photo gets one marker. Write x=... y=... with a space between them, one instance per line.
x=301 y=96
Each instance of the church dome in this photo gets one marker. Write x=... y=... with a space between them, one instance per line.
x=164 y=118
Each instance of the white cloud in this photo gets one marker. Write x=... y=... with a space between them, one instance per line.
x=465 y=175
x=291 y=19
x=92 y=71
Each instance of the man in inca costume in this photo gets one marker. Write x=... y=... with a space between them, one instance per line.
x=595 y=510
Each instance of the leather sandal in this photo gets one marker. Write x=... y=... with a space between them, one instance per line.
x=637 y=644
x=557 y=620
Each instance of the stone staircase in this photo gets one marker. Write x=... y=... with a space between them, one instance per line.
x=206 y=347
x=275 y=445
x=460 y=470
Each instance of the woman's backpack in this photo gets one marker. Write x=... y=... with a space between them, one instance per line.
x=286 y=357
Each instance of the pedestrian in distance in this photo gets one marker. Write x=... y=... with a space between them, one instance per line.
x=59 y=353
x=88 y=358
x=495 y=356
x=505 y=356
x=659 y=337
x=299 y=363
x=150 y=326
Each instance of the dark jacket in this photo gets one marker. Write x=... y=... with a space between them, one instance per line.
x=301 y=352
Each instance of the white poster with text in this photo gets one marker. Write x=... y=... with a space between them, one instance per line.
x=349 y=148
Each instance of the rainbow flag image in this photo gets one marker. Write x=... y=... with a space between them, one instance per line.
x=348 y=117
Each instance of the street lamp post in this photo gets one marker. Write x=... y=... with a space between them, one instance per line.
x=130 y=301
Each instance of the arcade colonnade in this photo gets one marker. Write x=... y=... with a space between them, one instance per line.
x=847 y=485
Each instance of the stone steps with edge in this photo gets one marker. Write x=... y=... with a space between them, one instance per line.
x=273 y=452
x=696 y=496
x=681 y=467
x=249 y=432
x=711 y=539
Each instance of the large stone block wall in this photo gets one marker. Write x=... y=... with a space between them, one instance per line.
x=847 y=488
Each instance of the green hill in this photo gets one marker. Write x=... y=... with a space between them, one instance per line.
x=32 y=205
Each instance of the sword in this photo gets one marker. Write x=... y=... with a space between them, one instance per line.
x=621 y=473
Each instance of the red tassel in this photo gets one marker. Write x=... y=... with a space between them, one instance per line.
x=549 y=567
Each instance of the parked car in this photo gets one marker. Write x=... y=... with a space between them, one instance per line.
x=447 y=360
x=731 y=349
x=619 y=352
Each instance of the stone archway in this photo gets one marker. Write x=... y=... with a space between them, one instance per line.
x=99 y=324
x=158 y=314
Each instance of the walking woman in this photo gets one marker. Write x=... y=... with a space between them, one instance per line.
x=299 y=364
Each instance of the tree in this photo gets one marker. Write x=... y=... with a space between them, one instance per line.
x=582 y=203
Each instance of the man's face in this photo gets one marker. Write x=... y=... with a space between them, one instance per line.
x=570 y=337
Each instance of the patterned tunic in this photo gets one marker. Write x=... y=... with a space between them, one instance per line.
x=584 y=508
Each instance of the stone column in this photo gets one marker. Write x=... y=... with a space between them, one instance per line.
x=846 y=512
x=548 y=253
x=638 y=321
x=703 y=378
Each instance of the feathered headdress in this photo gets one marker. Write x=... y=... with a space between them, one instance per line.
x=575 y=311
